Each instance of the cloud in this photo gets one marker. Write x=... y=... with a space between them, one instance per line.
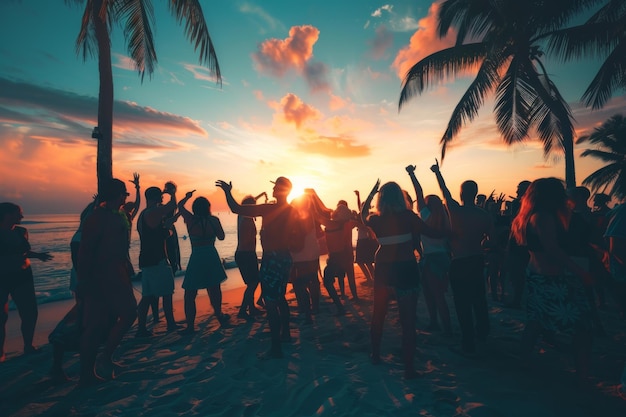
x=124 y=62
x=379 y=12
x=278 y=57
x=424 y=42
x=254 y=10
x=381 y=42
x=49 y=112
x=334 y=147
x=295 y=111
x=202 y=73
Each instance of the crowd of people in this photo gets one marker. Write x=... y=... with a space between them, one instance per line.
x=544 y=249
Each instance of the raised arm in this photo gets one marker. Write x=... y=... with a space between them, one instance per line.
x=419 y=193
x=187 y=215
x=365 y=212
x=248 y=210
x=450 y=202
x=137 y=202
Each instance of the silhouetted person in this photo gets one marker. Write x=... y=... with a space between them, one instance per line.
x=516 y=257
x=277 y=232
x=554 y=280
x=157 y=279
x=16 y=275
x=366 y=246
x=104 y=283
x=395 y=226
x=247 y=260
x=471 y=227
x=435 y=261
x=205 y=268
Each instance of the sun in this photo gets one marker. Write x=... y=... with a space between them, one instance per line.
x=299 y=184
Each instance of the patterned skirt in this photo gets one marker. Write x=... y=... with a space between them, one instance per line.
x=558 y=303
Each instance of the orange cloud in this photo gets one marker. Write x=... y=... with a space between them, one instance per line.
x=276 y=57
x=296 y=111
x=424 y=42
x=335 y=147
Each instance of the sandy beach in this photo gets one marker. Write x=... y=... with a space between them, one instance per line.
x=325 y=372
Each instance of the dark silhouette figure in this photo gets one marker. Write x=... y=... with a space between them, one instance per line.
x=16 y=275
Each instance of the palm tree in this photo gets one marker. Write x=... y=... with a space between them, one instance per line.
x=502 y=38
x=604 y=35
x=137 y=19
x=611 y=141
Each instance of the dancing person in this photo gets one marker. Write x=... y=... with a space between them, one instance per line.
x=516 y=256
x=105 y=291
x=435 y=261
x=247 y=261
x=205 y=268
x=277 y=233
x=75 y=244
x=157 y=279
x=395 y=226
x=16 y=276
x=471 y=229
x=554 y=281
x=306 y=259
x=366 y=246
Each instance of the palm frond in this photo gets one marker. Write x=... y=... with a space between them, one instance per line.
x=514 y=97
x=138 y=18
x=438 y=67
x=472 y=100
x=471 y=19
x=197 y=32
x=603 y=155
x=610 y=77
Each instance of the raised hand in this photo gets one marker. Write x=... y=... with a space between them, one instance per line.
x=189 y=194
x=226 y=186
x=375 y=188
x=410 y=169
x=435 y=167
x=356 y=192
x=135 y=180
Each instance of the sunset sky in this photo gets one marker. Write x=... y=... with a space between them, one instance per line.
x=310 y=91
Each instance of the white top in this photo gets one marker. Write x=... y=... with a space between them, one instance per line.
x=431 y=244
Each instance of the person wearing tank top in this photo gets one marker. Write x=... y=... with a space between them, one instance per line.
x=157 y=279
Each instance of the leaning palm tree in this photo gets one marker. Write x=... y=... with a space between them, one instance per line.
x=137 y=19
x=503 y=39
x=602 y=35
x=611 y=141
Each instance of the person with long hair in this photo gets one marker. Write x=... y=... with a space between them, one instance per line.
x=306 y=259
x=396 y=227
x=556 y=297
x=247 y=261
x=16 y=275
x=205 y=268
x=435 y=261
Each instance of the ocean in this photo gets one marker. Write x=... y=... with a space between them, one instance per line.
x=53 y=232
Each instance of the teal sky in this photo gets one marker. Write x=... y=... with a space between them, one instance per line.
x=310 y=91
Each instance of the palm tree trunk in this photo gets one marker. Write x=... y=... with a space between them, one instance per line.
x=104 y=165
x=570 y=171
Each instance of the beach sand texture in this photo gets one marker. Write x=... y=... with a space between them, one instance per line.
x=325 y=372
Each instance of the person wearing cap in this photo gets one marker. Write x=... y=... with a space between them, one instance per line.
x=279 y=235
x=104 y=282
x=157 y=279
